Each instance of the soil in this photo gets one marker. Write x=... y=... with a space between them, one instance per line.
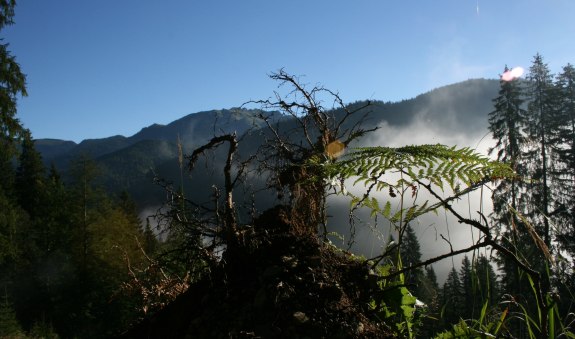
x=276 y=285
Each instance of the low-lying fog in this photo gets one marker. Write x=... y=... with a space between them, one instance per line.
x=370 y=238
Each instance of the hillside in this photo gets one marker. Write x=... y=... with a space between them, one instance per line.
x=128 y=163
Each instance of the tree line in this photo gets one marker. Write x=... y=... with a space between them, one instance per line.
x=533 y=126
x=64 y=250
x=64 y=245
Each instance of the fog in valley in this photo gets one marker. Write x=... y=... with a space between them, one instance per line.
x=453 y=128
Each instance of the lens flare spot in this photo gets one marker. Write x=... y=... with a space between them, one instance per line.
x=512 y=74
x=507 y=76
x=335 y=149
x=517 y=72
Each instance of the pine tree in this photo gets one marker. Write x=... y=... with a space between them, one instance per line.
x=541 y=130
x=480 y=285
x=106 y=237
x=30 y=287
x=466 y=275
x=410 y=252
x=30 y=178
x=505 y=125
x=30 y=195
x=451 y=299
x=53 y=274
x=57 y=217
x=542 y=194
x=12 y=84
x=534 y=196
x=566 y=169
x=87 y=199
x=486 y=285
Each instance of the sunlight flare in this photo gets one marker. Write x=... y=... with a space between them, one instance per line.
x=512 y=74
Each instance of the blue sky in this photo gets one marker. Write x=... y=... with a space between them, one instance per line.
x=102 y=68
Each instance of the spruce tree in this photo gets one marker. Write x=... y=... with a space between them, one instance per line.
x=479 y=285
x=541 y=119
x=451 y=299
x=565 y=85
x=30 y=178
x=537 y=198
x=86 y=198
x=57 y=217
x=466 y=275
x=410 y=252
x=12 y=85
x=30 y=193
x=487 y=285
x=52 y=276
x=505 y=124
x=106 y=237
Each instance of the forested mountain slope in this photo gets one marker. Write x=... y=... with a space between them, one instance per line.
x=129 y=163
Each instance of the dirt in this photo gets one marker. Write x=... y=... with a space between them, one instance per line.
x=276 y=285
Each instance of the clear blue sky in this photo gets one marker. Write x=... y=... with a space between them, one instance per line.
x=101 y=68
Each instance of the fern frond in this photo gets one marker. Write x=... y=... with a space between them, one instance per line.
x=440 y=165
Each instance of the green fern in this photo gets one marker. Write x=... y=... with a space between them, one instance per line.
x=405 y=168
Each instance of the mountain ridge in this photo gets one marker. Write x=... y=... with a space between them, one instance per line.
x=130 y=162
x=458 y=85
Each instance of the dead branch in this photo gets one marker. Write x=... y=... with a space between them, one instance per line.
x=478 y=245
x=296 y=166
x=230 y=228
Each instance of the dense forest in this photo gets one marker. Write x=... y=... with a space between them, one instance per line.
x=76 y=261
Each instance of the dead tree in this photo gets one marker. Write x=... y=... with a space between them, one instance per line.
x=294 y=157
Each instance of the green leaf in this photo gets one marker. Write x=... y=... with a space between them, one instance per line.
x=387 y=209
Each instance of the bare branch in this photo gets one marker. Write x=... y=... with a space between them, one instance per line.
x=230 y=219
x=478 y=245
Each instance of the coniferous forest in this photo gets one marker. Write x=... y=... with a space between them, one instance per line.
x=77 y=261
